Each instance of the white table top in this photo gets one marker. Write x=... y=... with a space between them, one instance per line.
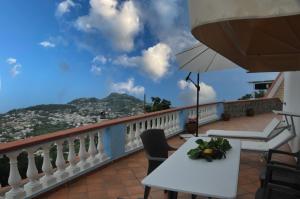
x=179 y=173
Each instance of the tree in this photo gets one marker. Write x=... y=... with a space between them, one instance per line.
x=158 y=104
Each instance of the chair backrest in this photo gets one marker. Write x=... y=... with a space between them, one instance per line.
x=280 y=139
x=155 y=143
x=271 y=126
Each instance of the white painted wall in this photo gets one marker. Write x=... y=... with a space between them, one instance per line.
x=292 y=100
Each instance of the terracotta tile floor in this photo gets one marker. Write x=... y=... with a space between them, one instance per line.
x=123 y=177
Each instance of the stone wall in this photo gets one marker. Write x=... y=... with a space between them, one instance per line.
x=263 y=105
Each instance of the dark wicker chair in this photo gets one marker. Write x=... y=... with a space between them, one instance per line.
x=281 y=176
x=277 y=189
x=156 y=149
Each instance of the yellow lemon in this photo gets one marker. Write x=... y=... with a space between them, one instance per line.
x=207 y=151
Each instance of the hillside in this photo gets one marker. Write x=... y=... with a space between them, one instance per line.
x=46 y=118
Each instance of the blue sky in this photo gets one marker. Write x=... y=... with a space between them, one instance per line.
x=56 y=51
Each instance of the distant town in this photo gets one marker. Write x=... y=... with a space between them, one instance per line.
x=42 y=119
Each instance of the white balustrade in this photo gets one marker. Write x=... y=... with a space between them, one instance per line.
x=60 y=162
x=48 y=179
x=95 y=156
x=33 y=184
x=83 y=154
x=14 y=179
x=72 y=169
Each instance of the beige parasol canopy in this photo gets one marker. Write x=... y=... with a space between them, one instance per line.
x=258 y=35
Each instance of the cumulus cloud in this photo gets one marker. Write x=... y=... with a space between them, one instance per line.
x=15 y=70
x=127 y=87
x=171 y=28
x=118 y=21
x=155 y=61
x=47 y=44
x=188 y=93
x=64 y=7
x=11 y=60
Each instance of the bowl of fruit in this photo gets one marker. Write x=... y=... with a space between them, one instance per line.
x=213 y=149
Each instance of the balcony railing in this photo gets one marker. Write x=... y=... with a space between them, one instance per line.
x=80 y=150
x=83 y=149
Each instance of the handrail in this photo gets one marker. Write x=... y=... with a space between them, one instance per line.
x=250 y=100
x=27 y=142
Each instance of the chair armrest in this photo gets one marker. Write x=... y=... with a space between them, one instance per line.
x=159 y=159
x=282 y=164
x=283 y=189
x=274 y=151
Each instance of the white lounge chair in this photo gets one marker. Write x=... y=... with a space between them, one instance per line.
x=265 y=134
x=263 y=146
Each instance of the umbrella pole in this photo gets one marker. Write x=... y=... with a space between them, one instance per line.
x=197 y=109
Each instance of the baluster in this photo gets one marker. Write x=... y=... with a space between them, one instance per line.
x=172 y=123
x=136 y=135
x=60 y=162
x=168 y=124
x=14 y=179
x=132 y=136
x=92 y=149
x=32 y=174
x=101 y=153
x=72 y=169
x=127 y=139
x=177 y=121
x=148 y=124
x=48 y=179
x=161 y=123
x=83 y=155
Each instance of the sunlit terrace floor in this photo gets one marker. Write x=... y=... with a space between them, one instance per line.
x=123 y=177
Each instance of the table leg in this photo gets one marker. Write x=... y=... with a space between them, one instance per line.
x=172 y=195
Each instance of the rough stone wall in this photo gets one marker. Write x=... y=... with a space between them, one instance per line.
x=238 y=108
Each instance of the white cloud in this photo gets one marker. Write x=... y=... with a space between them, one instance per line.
x=120 y=23
x=126 y=61
x=16 y=67
x=11 y=60
x=155 y=61
x=47 y=44
x=96 y=70
x=100 y=59
x=64 y=7
x=127 y=87
x=188 y=93
x=15 y=70
x=171 y=28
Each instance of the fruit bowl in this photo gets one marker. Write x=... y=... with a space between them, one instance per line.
x=216 y=148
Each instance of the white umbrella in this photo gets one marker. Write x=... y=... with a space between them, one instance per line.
x=200 y=59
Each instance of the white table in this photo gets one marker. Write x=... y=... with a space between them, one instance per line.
x=179 y=173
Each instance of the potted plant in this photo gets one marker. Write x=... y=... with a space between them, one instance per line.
x=191 y=125
x=225 y=116
x=250 y=112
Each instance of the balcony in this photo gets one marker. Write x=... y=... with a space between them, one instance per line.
x=106 y=160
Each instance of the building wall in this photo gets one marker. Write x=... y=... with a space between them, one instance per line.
x=280 y=92
x=292 y=102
